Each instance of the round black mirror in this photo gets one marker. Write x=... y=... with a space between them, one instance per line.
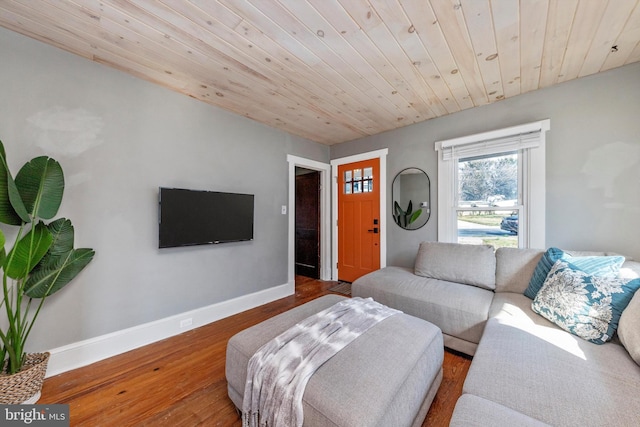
x=411 y=198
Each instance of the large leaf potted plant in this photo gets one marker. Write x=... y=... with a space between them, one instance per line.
x=404 y=218
x=41 y=261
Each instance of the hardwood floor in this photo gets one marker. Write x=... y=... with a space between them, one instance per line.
x=180 y=381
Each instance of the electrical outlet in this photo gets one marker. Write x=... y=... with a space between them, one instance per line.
x=284 y=209
x=186 y=322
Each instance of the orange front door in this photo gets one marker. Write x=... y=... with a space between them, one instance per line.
x=358 y=219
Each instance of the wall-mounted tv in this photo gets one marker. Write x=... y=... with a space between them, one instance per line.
x=192 y=217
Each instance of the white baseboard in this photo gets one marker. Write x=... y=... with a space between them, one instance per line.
x=85 y=352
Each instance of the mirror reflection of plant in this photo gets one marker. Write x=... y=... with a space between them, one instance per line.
x=404 y=218
x=42 y=260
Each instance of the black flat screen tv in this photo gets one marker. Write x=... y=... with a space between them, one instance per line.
x=192 y=217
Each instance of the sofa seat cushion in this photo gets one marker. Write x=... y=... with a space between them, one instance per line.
x=535 y=368
x=516 y=308
x=459 y=310
x=468 y=264
x=474 y=411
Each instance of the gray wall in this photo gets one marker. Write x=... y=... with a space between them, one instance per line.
x=593 y=159
x=118 y=139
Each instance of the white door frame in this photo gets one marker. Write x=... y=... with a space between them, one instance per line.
x=379 y=154
x=325 y=220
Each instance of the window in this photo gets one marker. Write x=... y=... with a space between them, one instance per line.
x=491 y=187
x=358 y=181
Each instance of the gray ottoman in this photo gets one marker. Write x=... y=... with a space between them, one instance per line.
x=386 y=377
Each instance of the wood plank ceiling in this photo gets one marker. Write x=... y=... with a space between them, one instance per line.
x=337 y=70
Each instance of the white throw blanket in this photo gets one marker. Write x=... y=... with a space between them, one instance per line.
x=278 y=372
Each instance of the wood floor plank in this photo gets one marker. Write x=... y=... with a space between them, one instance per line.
x=181 y=382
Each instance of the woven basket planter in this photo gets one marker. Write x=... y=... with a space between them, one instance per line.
x=23 y=386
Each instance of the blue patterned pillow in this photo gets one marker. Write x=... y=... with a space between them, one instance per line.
x=607 y=266
x=587 y=306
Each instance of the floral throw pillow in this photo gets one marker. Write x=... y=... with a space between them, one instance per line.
x=597 y=265
x=585 y=305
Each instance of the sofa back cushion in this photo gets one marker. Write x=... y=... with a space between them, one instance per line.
x=514 y=268
x=629 y=326
x=467 y=264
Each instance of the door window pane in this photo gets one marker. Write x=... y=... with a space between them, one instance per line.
x=358 y=181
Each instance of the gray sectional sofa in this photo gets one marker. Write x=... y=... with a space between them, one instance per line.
x=525 y=370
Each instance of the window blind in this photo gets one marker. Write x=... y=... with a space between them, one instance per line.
x=491 y=146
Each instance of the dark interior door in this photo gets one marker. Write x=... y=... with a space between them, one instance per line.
x=308 y=223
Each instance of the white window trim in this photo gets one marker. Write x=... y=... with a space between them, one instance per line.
x=533 y=184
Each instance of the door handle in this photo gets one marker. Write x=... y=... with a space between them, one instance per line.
x=374 y=230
